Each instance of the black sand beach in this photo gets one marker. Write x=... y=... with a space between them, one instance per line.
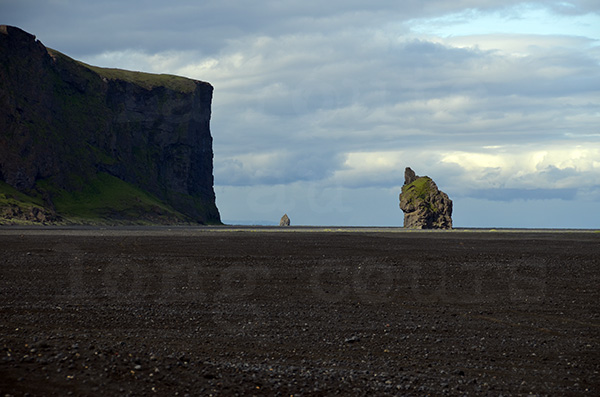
x=298 y=311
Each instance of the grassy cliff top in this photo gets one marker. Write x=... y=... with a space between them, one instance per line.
x=419 y=188
x=145 y=80
x=9 y=195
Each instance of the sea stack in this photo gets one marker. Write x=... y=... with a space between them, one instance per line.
x=423 y=204
x=285 y=220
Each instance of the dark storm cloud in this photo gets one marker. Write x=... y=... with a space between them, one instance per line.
x=86 y=27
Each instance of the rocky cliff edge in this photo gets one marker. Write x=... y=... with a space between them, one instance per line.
x=83 y=144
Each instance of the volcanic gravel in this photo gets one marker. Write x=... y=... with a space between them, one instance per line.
x=298 y=311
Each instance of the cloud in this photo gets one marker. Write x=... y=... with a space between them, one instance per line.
x=534 y=213
x=497 y=101
x=515 y=173
x=208 y=26
x=523 y=194
x=521 y=172
x=276 y=167
x=329 y=108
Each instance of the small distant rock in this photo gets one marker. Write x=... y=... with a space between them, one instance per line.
x=423 y=204
x=285 y=220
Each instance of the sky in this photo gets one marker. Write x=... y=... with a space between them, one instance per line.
x=318 y=106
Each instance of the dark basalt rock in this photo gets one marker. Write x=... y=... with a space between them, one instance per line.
x=409 y=176
x=64 y=123
x=285 y=220
x=423 y=204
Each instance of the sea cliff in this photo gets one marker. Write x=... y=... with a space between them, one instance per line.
x=82 y=144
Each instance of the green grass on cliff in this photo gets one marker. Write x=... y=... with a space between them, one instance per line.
x=107 y=199
x=11 y=196
x=418 y=188
x=146 y=80
x=12 y=199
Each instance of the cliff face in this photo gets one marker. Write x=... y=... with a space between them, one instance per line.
x=423 y=204
x=70 y=132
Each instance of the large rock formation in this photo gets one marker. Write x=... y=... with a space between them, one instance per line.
x=423 y=204
x=285 y=220
x=87 y=142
